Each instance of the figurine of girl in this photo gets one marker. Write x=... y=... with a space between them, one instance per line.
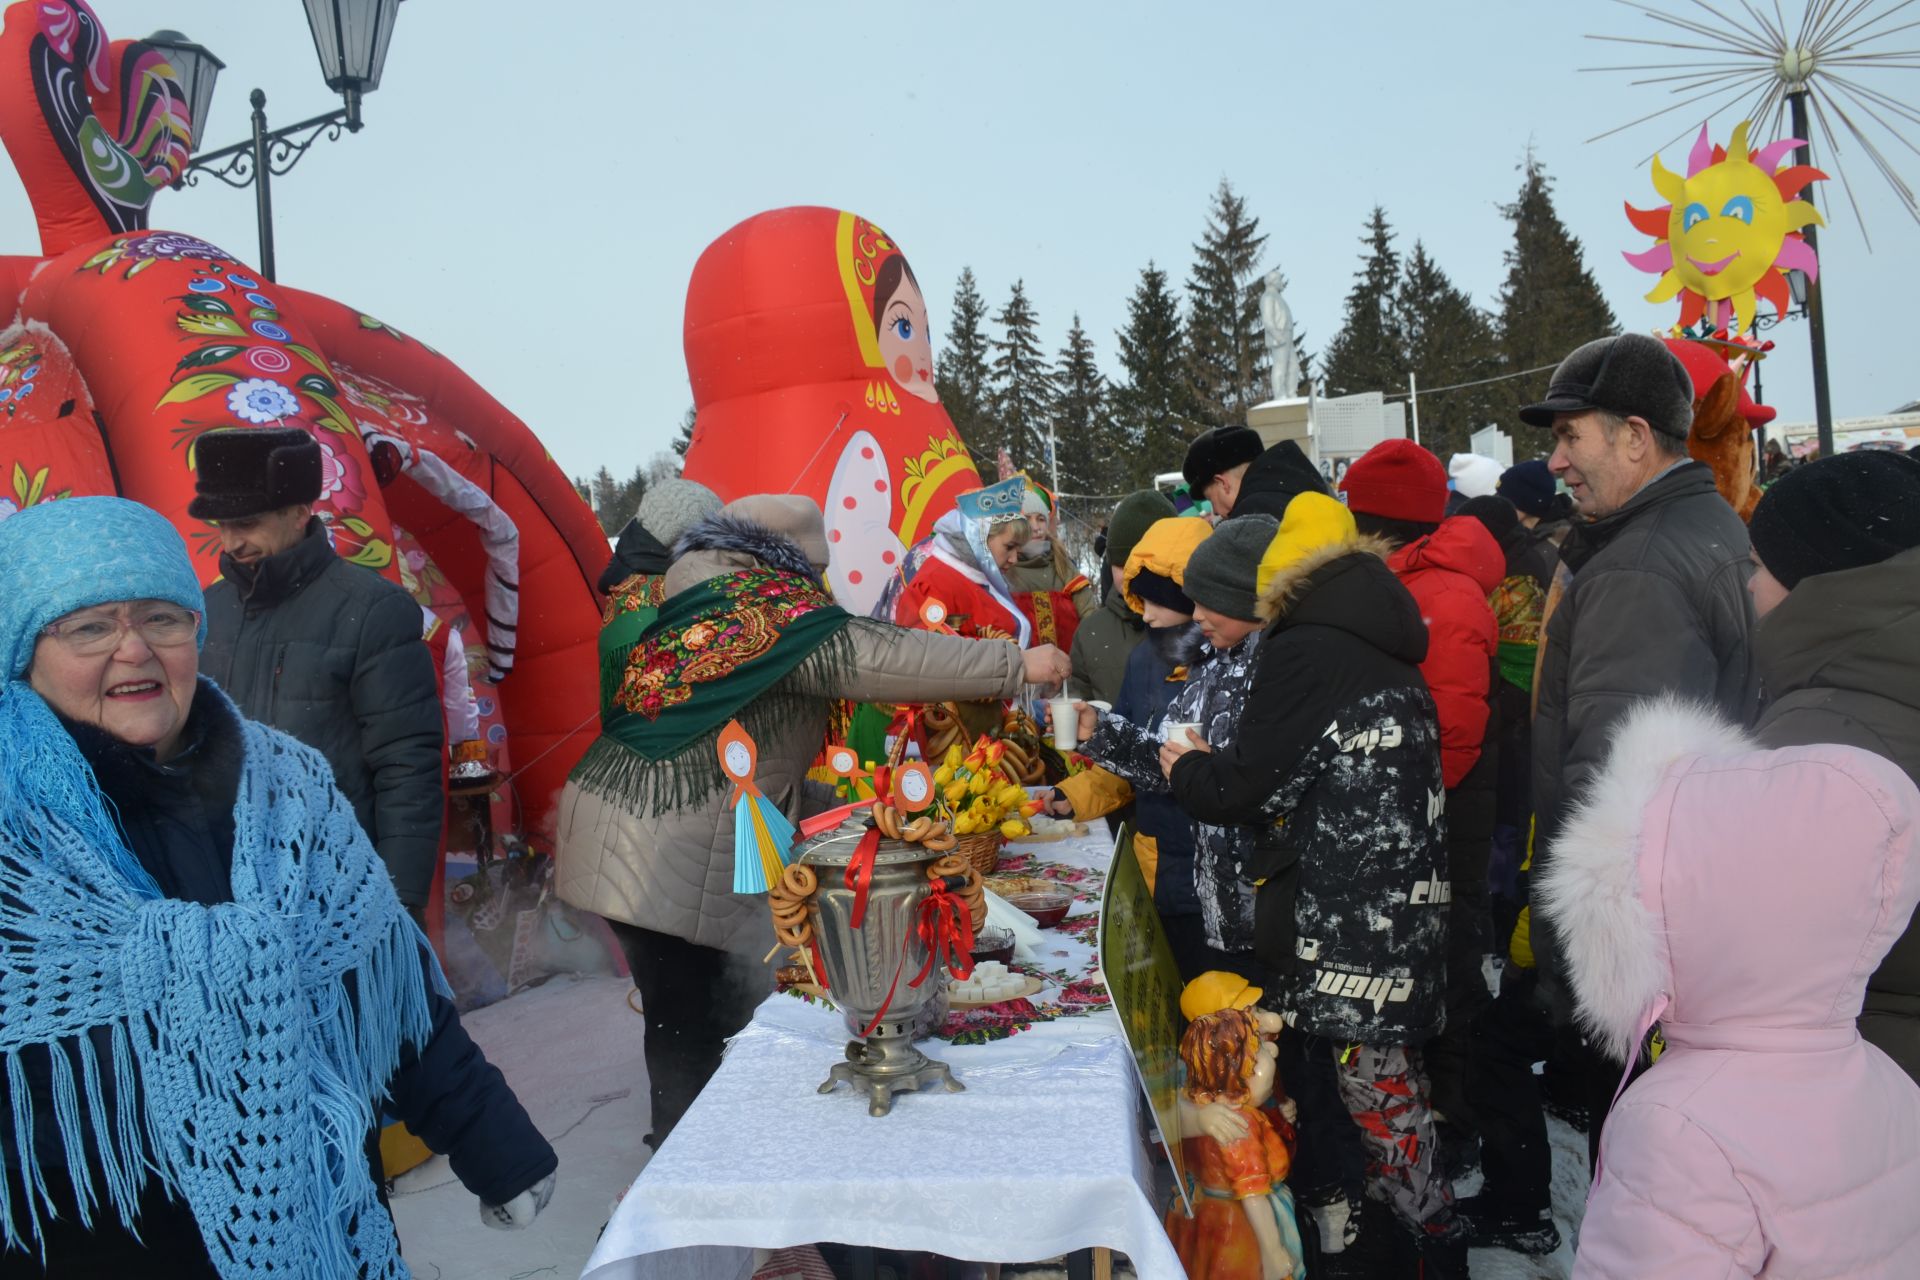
x=1243 y=1225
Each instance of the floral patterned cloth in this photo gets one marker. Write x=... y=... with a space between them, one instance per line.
x=1068 y=964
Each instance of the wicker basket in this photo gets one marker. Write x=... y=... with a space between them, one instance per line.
x=982 y=849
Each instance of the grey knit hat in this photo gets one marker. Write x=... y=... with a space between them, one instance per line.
x=671 y=507
x=1222 y=570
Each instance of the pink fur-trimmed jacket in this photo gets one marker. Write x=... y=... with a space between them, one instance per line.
x=1742 y=897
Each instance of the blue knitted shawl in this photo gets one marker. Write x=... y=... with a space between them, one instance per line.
x=243 y=1073
x=249 y=1041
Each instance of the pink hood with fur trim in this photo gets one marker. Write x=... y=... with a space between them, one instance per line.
x=1742 y=897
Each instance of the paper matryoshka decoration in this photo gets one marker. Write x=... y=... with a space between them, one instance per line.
x=1729 y=232
x=810 y=353
x=761 y=833
x=913 y=788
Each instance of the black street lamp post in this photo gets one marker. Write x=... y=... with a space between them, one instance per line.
x=1797 y=286
x=349 y=36
x=1816 y=314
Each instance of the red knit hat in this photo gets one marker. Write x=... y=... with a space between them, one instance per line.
x=1397 y=480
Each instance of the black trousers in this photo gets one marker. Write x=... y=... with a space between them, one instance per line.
x=1449 y=1055
x=1331 y=1160
x=1508 y=1038
x=694 y=998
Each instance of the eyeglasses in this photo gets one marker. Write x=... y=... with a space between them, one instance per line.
x=162 y=626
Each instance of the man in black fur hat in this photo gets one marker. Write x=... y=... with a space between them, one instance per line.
x=324 y=650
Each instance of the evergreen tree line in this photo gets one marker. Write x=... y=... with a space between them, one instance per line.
x=614 y=502
x=1194 y=358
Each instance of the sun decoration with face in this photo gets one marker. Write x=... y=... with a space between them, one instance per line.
x=1730 y=231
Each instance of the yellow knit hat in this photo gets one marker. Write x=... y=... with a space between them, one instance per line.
x=1312 y=523
x=1164 y=549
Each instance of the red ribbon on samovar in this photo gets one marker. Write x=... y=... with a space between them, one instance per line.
x=859 y=876
x=946 y=930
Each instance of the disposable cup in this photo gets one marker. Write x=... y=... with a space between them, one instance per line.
x=1066 y=724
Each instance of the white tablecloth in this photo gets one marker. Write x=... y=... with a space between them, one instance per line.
x=1042 y=1154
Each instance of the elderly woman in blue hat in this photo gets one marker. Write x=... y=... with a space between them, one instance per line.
x=208 y=990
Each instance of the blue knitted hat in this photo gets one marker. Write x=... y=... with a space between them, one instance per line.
x=60 y=556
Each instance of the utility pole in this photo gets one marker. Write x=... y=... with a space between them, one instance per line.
x=1413 y=400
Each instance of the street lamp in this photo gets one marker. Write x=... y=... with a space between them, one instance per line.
x=1797 y=288
x=349 y=36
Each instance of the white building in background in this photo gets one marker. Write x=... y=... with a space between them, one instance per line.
x=1332 y=431
x=1896 y=431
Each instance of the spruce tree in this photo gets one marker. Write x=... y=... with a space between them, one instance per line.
x=1152 y=424
x=1367 y=354
x=1022 y=383
x=1226 y=361
x=1082 y=425
x=1550 y=302
x=605 y=492
x=963 y=373
x=685 y=436
x=626 y=501
x=1447 y=341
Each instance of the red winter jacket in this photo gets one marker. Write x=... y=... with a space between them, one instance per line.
x=1450 y=574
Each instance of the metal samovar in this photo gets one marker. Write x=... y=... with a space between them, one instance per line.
x=882 y=956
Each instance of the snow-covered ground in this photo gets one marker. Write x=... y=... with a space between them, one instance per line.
x=572 y=1050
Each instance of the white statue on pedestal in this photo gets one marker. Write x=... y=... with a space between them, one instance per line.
x=1276 y=317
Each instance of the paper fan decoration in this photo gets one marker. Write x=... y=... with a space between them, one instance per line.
x=761 y=833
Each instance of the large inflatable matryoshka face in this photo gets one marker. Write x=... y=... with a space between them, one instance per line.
x=810 y=353
x=900 y=329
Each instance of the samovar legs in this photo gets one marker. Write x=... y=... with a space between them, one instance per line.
x=880 y=1088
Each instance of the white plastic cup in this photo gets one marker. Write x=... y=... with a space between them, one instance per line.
x=1176 y=731
x=1066 y=723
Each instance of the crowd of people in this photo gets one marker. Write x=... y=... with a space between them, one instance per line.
x=1508 y=786
x=1485 y=794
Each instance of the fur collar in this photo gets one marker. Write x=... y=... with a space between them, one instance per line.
x=1590 y=886
x=728 y=533
x=1288 y=585
x=1182 y=645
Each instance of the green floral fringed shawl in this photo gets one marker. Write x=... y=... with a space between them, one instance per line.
x=713 y=653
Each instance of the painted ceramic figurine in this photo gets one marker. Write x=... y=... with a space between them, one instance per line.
x=1243 y=1225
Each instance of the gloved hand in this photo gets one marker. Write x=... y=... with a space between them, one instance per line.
x=520 y=1211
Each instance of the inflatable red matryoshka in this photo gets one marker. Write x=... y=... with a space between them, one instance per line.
x=811 y=359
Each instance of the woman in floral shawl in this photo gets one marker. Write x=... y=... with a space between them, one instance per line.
x=646 y=834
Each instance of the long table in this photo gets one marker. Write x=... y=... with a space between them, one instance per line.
x=1043 y=1154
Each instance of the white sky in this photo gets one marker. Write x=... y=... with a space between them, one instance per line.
x=535 y=181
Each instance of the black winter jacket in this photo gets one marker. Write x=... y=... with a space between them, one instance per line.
x=1339 y=740
x=178 y=820
x=1839 y=661
x=330 y=653
x=1657 y=604
x=1274 y=479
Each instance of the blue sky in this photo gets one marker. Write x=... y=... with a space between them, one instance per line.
x=535 y=181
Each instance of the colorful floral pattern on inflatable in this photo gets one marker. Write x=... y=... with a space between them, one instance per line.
x=121 y=346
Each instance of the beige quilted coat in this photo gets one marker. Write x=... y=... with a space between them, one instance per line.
x=674 y=873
